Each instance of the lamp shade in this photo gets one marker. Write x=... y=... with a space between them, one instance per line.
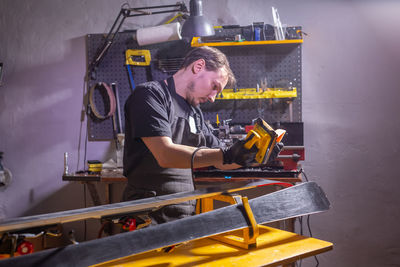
x=197 y=25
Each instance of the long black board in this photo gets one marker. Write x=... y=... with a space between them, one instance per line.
x=303 y=199
x=126 y=207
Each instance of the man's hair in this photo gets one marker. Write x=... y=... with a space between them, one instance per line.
x=214 y=59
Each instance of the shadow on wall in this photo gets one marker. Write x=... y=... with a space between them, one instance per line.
x=42 y=106
x=44 y=102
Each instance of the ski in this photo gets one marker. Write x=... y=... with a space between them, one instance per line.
x=303 y=199
x=97 y=212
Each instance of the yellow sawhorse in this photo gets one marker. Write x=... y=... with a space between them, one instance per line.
x=274 y=247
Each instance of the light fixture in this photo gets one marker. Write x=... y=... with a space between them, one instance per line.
x=123 y=14
x=197 y=25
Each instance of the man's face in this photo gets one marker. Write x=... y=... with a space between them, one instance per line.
x=206 y=86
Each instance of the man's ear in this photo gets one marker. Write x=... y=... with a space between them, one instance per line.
x=198 y=65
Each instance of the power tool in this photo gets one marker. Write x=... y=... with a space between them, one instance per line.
x=264 y=137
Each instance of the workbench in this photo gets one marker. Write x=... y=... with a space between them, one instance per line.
x=104 y=179
x=274 y=247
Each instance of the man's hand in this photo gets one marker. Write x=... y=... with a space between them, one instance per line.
x=238 y=154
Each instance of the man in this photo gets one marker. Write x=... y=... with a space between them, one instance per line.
x=164 y=126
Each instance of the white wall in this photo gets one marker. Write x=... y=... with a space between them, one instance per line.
x=350 y=109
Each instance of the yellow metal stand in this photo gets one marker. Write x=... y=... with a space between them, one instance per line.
x=256 y=245
x=248 y=237
x=274 y=248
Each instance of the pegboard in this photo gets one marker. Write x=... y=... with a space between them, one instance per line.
x=112 y=69
x=250 y=64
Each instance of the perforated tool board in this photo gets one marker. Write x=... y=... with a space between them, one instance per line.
x=251 y=64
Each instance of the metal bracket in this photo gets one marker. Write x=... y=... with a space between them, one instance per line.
x=248 y=237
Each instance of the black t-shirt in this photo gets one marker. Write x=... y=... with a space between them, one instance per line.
x=149 y=111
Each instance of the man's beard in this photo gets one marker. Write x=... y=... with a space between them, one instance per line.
x=189 y=97
x=190 y=86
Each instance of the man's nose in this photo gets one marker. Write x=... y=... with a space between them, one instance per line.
x=211 y=96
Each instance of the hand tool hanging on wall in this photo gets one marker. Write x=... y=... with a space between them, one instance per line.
x=101 y=86
x=118 y=107
x=130 y=74
x=118 y=132
x=136 y=57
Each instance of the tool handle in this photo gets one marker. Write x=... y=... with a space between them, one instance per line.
x=252 y=138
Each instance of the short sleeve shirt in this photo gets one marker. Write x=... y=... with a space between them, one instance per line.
x=148 y=113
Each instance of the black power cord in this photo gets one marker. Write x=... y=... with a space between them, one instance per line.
x=308 y=224
x=192 y=162
x=84 y=113
x=309 y=229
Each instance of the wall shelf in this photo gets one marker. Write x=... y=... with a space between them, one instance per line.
x=251 y=93
x=196 y=42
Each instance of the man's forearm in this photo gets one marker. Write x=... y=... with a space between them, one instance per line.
x=182 y=155
x=170 y=155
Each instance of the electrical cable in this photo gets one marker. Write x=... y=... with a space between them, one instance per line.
x=85 y=106
x=305 y=176
x=85 y=153
x=309 y=229
x=84 y=221
x=82 y=120
x=308 y=225
x=300 y=219
x=84 y=165
x=192 y=163
x=308 y=220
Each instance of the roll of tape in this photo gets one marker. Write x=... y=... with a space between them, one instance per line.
x=159 y=34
